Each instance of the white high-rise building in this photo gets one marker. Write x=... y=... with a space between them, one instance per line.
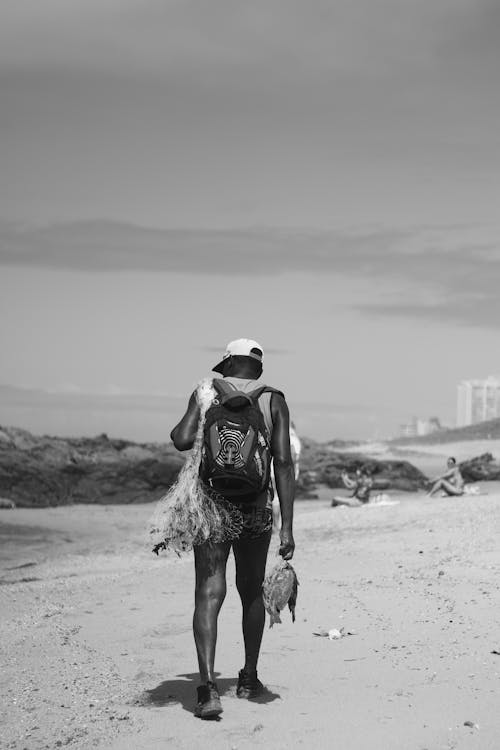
x=478 y=400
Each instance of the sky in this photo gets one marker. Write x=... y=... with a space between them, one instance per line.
x=322 y=177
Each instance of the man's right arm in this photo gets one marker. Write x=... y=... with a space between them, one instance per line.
x=184 y=433
x=283 y=472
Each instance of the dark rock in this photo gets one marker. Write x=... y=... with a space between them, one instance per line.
x=482 y=468
x=44 y=471
x=321 y=464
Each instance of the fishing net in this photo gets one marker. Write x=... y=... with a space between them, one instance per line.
x=192 y=513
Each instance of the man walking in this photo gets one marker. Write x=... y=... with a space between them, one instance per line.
x=241 y=369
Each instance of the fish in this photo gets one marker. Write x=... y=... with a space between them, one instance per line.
x=278 y=590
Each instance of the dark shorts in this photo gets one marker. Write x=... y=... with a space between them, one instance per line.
x=256 y=514
x=253 y=514
x=257 y=520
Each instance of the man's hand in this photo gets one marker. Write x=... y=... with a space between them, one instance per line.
x=287 y=545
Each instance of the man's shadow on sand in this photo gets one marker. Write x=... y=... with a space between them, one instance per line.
x=183 y=690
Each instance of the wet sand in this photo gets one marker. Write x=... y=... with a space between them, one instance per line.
x=97 y=646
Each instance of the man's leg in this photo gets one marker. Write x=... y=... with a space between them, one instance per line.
x=210 y=566
x=250 y=557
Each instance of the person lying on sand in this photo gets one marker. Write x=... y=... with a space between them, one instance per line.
x=240 y=367
x=451 y=482
x=361 y=487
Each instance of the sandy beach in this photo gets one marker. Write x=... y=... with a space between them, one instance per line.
x=97 y=648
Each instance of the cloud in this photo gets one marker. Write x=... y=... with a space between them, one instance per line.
x=153 y=33
x=338 y=409
x=156 y=33
x=113 y=246
x=149 y=417
x=441 y=254
x=135 y=416
x=275 y=110
x=480 y=310
x=454 y=276
x=75 y=399
x=441 y=273
x=288 y=55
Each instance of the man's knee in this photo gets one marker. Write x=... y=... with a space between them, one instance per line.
x=249 y=585
x=210 y=592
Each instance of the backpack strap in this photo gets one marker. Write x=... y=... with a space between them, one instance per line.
x=224 y=388
x=221 y=386
x=263 y=396
x=227 y=392
x=257 y=393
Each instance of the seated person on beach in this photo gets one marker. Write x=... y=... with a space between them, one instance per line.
x=451 y=482
x=360 y=486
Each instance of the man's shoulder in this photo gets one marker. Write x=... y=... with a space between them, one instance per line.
x=272 y=389
x=276 y=394
x=277 y=401
x=266 y=389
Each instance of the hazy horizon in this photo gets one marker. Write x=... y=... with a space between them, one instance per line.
x=322 y=178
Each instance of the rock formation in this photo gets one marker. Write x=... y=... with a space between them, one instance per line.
x=321 y=463
x=43 y=471
x=482 y=468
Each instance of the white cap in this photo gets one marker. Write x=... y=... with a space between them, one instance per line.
x=241 y=348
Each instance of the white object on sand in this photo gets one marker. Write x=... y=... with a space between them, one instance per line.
x=383 y=499
x=472 y=489
x=334 y=634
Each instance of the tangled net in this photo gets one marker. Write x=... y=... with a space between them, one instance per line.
x=192 y=513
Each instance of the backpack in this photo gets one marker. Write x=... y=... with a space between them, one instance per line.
x=236 y=453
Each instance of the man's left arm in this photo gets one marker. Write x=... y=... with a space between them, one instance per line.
x=283 y=471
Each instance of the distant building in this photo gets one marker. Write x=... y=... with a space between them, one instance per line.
x=478 y=400
x=417 y=427
x=409 y=429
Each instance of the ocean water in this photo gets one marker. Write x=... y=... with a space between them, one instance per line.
x=78 y=533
